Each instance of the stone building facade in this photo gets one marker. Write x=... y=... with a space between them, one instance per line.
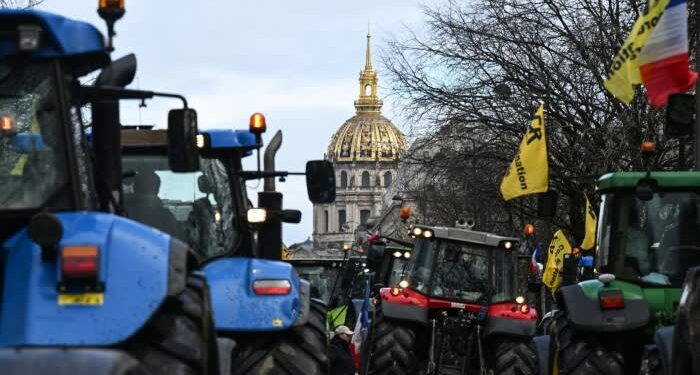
x=365 y=152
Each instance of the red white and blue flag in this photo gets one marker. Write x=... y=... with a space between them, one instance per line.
x=663 y=61
x=361 y=326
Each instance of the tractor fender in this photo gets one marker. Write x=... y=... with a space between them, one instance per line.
x=67 y=362
x=663 y=338
x=542 y=346
x=236 y=306
x=506 y=319
x=134 y=265
x=510 y=327
x=407 y=306
x=580 y=301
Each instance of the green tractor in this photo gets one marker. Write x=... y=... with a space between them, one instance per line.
x=648 y=237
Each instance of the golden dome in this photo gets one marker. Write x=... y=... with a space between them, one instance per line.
x=367 y=136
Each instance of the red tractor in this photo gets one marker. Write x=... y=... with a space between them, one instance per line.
x=456 y=312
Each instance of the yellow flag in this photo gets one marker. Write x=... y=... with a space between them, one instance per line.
x=555 y=260
x=591 y=223
x=624 y=72
x=529 y=171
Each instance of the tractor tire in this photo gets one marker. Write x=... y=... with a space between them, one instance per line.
x=580 y=353
x=514 y=357
x=651 y=361
x=393 y=349
x=300 y=350
x=180 y=338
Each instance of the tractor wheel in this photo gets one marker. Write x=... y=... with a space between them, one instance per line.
x=651 y=363
x=579 y=353
x=514 y=357
x=180 y=338
x=393 y=349
x=298 y=351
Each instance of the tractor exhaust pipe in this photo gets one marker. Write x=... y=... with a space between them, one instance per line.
x=269 y=159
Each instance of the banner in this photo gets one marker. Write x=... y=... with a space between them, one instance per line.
x=591 y=224
x=655 y=53
x=663 y=62
x=529 y=171
x=555 y=260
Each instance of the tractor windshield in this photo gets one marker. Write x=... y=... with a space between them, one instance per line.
x=652 y=242
x=452 y=270
x=195 y=207
x=322 y=279
x=32 y=151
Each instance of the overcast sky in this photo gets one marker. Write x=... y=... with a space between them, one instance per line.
x=295 y=61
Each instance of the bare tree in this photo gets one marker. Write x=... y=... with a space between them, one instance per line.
x=478 y=74
x=20 y=4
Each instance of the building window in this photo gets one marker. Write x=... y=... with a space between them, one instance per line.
x=364 y=216
x=341 y=220
x=365 y=179
x=343 y=179
x=387 y=179
x=326 y=223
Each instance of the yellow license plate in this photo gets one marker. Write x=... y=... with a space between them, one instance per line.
x=89 y=299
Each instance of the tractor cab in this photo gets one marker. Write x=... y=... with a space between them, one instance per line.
x=649 y=231
x=457 y=302
x=461 y=265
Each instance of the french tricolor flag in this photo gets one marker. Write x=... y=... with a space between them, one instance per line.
x=663 y=60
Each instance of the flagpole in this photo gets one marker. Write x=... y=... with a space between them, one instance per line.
x=697 y=86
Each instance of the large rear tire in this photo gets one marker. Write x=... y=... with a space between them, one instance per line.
x=514 y=357
x=301 y=350
x=180 y=338
x=393 y=349
x=579 y=353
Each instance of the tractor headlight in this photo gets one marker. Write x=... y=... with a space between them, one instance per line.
x=417 y=231
x=519 y=300
x=397 y=254
x=403 y=284
x=257 y=215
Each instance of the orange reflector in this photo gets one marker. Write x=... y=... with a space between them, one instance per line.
x=105 y=4
x=529 y=229
x=394 y=291
x=7 y=123
x=79 y=262
x=524 y=309
x=258 y=123
x=576 y=251
x=648 y=146
x=405 y=212
x=611 y=299
x=271 y=287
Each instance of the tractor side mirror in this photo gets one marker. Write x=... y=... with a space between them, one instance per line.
x=183 y=155
x=320 y=181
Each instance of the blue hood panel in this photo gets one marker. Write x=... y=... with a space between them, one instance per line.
x=237 y=308
x=133 y=266
x=64 y=37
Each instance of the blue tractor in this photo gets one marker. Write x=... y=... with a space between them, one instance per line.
x=261 y=306
x=83 y=289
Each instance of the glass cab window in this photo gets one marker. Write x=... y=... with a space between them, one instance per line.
x=195 y=207
x=32 y=142
x=456 y=271
x=652 y=242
